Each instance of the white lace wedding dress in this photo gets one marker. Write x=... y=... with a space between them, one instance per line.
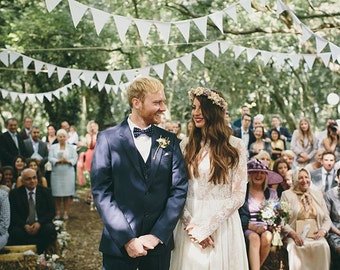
x=214 y=208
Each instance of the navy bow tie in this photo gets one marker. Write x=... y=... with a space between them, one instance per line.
x=137 y=131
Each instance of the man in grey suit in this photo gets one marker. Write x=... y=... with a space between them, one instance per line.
x=139 y=183
x=36 y=148
x=323 y=178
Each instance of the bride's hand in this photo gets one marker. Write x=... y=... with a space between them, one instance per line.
x=209 y=241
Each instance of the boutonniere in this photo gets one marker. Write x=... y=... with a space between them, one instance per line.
x=162 y=143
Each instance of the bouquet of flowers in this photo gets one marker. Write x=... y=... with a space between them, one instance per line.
x=275 y=213
x=49 y=262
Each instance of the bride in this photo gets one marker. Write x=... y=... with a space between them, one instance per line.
x=209 y=234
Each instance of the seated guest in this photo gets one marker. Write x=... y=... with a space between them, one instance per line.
x=260 y=143
x=280 y=166
x=332 y=199
x=33 y=164
x=32 y=212
x=8 y=179
x=4 y=217
x=289 y=156
x=257 y=234
x=307 y=226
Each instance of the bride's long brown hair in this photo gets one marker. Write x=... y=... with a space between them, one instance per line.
x=223 y=156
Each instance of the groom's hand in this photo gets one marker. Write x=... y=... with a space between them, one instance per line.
x=149 y=241
x=135 y=248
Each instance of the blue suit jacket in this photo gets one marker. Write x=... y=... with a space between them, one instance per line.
x=130 y=203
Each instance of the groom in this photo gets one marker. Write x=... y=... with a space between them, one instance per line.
x=139 y=184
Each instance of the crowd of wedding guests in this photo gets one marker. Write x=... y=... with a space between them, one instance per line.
x=301 y=167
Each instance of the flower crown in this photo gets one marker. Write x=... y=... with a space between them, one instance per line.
x=213 y=96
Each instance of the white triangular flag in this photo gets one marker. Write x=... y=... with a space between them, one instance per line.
x=40 y=97
x=116 y=76
x=26 y=61
x=231 y=12
x=145 y=72
x=217 y=18
x=164 y=30
x=4 y=93
x=38 y=65
x=280 y=58
x=48 y=96
x=325 y=58
x=295 y=59
x=76 y=82
x=265 y=55
x=246 y=4
x=320 y=43
x=296 y=20
x=56 y=94
x=51 y=4
x=64 y=90
x=22 y=97
x=306 y=33
x=75 y=73
x=93 y=83
x=122 y=25
x=281 y=7
x=50 y=69
x=200 y=54
x=107 y=88
x=115 y=88
x=159 y=69
x=13 y=56
x=102 y=76
x=184 y=28
x=172 y=64
x=61 y=73
x=224 y=46
x=186 y=60
x=130 y=74
x=214 y=48
x=201 y=24
x=309 y=58
x=100 y=86
x=13 y=95
x=143 y=27
x=77 y=11
x=335 y=50
x=100 y=18
x=238 y=50
x=87 y=76
x=31 y=98
x=4 y=58
x=251 y=53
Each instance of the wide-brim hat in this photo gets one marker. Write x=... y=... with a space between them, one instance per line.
x=256 y=165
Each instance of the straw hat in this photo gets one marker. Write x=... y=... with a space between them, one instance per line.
x=256 y=165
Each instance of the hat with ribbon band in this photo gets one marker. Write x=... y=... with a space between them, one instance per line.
x=256 y=165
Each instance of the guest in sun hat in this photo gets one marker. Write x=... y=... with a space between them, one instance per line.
x=258 y=237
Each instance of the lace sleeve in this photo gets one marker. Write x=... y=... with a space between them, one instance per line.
x=232 y=202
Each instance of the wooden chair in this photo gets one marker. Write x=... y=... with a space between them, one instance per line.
x=13 y=258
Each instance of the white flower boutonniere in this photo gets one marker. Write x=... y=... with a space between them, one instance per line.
x=162 y=143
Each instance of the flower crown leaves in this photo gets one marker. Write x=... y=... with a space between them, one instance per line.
x=213 y=96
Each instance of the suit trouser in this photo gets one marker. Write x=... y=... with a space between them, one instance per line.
x=149 y=262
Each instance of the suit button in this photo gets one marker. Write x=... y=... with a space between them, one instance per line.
x=146 y=215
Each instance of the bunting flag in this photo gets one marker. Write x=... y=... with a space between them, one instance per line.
x=100 y=18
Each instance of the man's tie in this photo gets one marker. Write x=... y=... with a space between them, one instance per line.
x=31 y=210
x=137 y=131
x=327 y=184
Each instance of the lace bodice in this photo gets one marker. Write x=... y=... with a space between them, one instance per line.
x=208 y=205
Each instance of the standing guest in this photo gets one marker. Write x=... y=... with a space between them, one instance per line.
x=238 y=122
x=207 y=236
x=33 y=164
x=323 y=178
x=227 y=118
x=332 y=199
x=177 y=128
x=256 y=232
x=37 y=149
x=323 y=134
x=32 y=212
x=139 y=183
x=285 y=135
x=304 y=143
x=277 y=144
x=50 y=138
x=4 y=217
x=308 y=249
x=245 y=133
x=91 y=139
x=72 y=135
x=11 y=143
x=63 y=157
x=260 y=142
x=26 y=130
x=258 y=121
